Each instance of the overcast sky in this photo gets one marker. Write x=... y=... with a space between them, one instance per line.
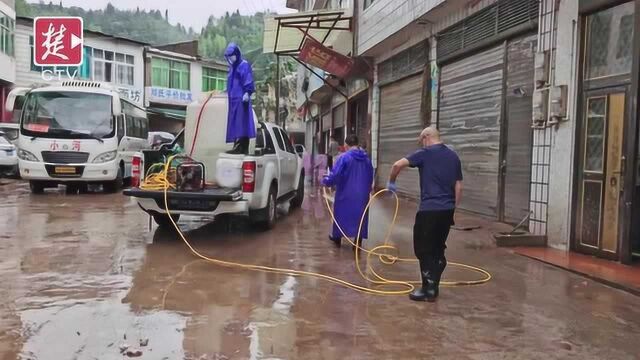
x=187 y=12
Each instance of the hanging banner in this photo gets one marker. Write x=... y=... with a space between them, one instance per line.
x=320 y=56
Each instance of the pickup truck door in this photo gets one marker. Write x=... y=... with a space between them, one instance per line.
x=288 y=161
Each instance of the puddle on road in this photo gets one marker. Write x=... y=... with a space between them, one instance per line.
x=273 y=331
x=97 y=329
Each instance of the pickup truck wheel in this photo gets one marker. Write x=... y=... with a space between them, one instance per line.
x=164 y=220
x=270 y=213
x=296 y=202
x=36 y=187
x=72 y=189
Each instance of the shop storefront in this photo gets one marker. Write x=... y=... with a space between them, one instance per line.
x=485 y=101
x=607 y=183
x=402 y=91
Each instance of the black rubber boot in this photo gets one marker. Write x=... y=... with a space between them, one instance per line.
x=336 y=241
x=440 y=265
x=243 y=145
x=236 y=148
x=428 y=291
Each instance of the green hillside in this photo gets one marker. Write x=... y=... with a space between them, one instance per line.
x=154 y=28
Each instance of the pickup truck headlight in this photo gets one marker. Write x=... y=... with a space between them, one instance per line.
x=105 y=157
x=26 y=155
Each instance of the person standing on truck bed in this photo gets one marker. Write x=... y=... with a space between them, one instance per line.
x=240 y=86
x=352 y=176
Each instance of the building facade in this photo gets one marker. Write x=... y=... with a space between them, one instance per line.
x=7 y=53
x=468 y=68
x=332 y=106
x=589 y=76
x=176 y=76
x=537 y=97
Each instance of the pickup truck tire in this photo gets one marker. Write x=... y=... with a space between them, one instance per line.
x=36 y=187
x=269 y=215
x=164 y=220
x=72 y=189
x=115 y=185
x=296 y=202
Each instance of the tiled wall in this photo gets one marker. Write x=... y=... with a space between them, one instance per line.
x=543 y=138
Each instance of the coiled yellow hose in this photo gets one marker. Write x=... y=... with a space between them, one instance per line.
x=159 y=181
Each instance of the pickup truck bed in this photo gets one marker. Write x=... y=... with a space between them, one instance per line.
x=206 y=200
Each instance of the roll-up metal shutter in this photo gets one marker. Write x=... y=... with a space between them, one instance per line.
x=338 y=116
x=400 y=126
x=519 y=101
x=469 y=119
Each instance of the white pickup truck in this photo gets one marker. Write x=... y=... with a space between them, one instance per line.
x=272 y=173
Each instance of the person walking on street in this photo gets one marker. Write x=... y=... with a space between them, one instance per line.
x=333 y=151
x=352 y=177
x=440 y=193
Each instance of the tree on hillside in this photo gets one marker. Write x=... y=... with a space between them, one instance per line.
x=140 y=25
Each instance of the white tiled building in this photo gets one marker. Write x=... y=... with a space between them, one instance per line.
x=7 y=47
x=175 y=77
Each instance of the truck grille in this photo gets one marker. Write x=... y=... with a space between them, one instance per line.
x=65 y=157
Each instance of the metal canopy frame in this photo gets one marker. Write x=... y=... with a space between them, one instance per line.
x=317 y=21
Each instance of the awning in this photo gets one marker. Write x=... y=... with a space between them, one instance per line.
x=175 y=114
x=285 y=34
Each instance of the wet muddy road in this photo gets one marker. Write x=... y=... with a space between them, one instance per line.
x=83 y=276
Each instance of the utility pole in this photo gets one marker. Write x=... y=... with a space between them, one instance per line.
x=277 y=89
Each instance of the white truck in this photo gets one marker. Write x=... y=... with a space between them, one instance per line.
x=250 y=185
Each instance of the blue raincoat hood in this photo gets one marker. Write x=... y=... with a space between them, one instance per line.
x=358 y=155
x=234 y=49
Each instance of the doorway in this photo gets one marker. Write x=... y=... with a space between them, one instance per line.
x=601 y=174
x=602 y=218
x=357 y=119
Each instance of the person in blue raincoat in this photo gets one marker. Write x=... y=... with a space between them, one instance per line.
x=352 y=176
x=240 y=86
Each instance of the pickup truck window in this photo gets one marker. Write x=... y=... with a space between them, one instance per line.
x=264 y=141
x=287 y=142
x=279 y=139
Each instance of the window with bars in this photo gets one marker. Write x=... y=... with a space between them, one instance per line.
x=7 y=34
x=125 y=65
x=213 y=79
x=170 y=74
x=610 y=42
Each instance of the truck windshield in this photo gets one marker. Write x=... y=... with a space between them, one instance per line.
x=68 y=114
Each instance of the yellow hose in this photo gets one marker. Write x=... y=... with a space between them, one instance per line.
x=160 y=181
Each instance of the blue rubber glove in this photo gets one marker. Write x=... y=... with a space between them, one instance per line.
x=325 y=179
x=391 y=186
x=245 y=97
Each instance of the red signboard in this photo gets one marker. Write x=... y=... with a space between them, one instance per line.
x=318 y=55
x=57 y=41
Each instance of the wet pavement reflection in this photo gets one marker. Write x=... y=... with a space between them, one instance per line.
x=83 y=277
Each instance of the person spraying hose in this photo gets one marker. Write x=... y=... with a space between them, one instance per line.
x=440 y=193
x=352 y=176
